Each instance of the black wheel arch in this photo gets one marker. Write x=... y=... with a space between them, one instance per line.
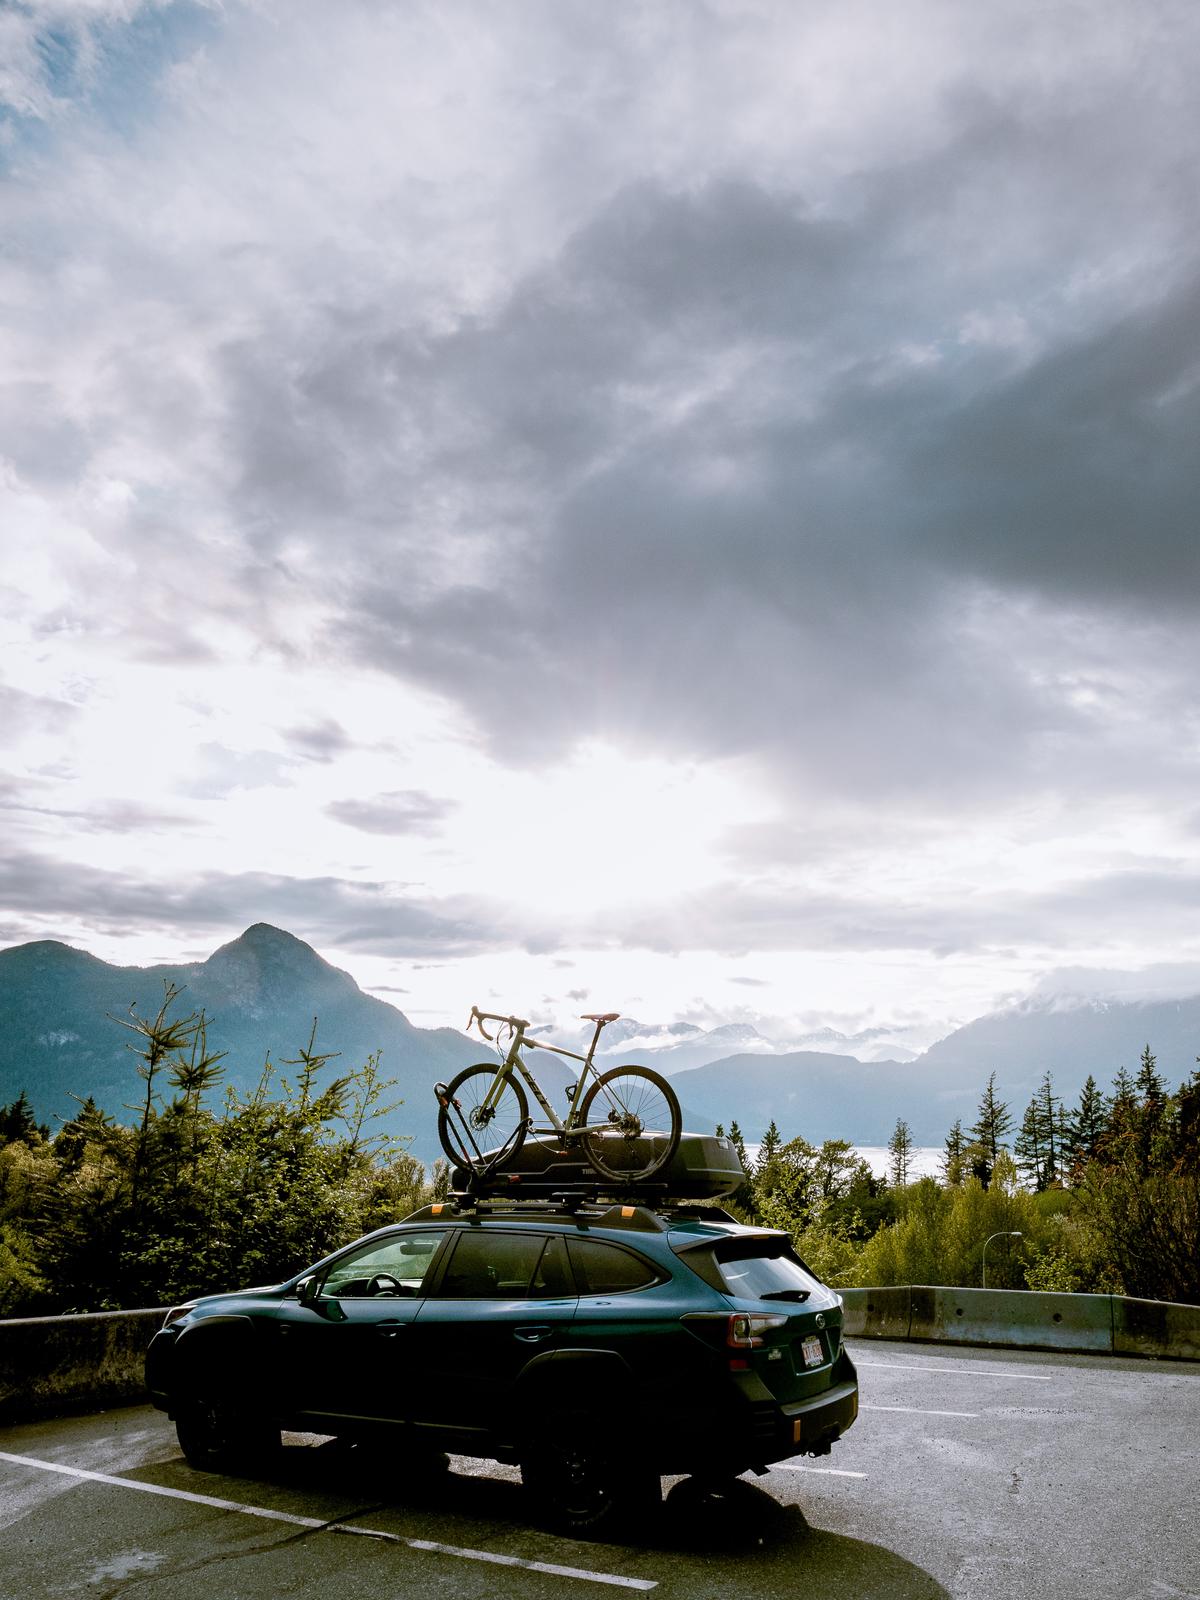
x=225 y=1350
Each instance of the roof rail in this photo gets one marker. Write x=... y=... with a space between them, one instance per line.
x=643 y=1217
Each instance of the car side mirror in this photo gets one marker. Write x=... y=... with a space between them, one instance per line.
x=307 y=1290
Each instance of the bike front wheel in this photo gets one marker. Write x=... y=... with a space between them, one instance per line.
x=631 y=1123
x=474 y=1134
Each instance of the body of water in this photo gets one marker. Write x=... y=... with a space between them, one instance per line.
x=924 y=1160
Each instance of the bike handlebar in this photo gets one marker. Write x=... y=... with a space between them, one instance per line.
x=479 y=1017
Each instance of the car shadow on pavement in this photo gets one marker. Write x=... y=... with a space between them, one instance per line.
x=735 y=1533
x=745 y=1537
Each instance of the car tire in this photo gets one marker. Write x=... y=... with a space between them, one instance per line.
x=216 y=1436
x=579 y=1485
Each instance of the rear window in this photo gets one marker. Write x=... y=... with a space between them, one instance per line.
x=606 y=1269
x=751 y=1269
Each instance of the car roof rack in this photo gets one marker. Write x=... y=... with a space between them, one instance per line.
x=585 y=1203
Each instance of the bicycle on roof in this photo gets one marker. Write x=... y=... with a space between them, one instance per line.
x=626 y=1121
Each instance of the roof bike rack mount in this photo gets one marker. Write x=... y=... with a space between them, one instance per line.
x=482 y=1167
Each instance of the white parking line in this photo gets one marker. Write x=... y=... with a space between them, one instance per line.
x=966 y=1372
x=918 y=1411
x=829 y=1472
x=464 y=1553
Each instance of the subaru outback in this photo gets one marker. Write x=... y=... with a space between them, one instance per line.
x=596 y=1347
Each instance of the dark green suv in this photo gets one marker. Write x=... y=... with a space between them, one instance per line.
x=598 y=1347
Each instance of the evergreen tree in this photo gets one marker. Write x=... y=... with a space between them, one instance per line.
x=17 y=1121
x=1039 y=1143
x=954 y=1158
x=1049 y=1111
x=1151 y=1091
x=1186 y=1152
x=1085 y=1128
x=900 y=1150
x=768 y=1150
x=989 y=1132
x=742 y=1198
x=1028 y=1148
x=1121 y=1132
x=739 y=1144
x=1150 y=1085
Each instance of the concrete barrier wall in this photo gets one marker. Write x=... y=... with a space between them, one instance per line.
x=50 y=1366
x=1087 y=1323
x=1156 y=1327
x=1007 y=1317
x=877 y=1313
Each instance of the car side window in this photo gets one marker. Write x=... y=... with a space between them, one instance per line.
x=392 y=1267
x=505 y=1266
x=607 y=1269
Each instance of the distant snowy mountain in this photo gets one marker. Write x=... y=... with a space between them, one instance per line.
x=668 y=1047
x=871 y=1044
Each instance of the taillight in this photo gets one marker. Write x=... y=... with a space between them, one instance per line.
x=175 y=1313
x=745 y=1329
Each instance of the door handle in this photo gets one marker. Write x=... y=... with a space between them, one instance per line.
x=388 y=1330
x=533 y=1334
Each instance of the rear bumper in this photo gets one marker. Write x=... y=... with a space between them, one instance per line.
x=810 y=1427
x=757 y=1430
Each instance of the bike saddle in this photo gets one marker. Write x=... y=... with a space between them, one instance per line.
x=600 y=1016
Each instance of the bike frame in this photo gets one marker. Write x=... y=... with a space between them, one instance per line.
x=514 y=1061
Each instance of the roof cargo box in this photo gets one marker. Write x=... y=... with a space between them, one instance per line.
x=702 y=1168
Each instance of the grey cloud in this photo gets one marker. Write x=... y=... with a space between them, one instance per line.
x=400 y=812
x=323 y=909
x=790 y=563
x=319 y=741
x=47 y=449
x=104 y=816
x=1077 y=479
x=738 y=469
x=21 y=712
x=735 y=919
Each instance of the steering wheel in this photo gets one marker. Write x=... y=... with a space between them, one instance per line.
x=384 y=1283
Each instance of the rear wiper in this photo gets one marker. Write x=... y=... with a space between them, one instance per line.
x=786 y=1294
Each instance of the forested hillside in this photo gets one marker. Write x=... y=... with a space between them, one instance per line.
x=213 y=1185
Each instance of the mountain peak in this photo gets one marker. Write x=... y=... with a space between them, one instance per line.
x=48 y=953
x=266 y=936
x=264 y=956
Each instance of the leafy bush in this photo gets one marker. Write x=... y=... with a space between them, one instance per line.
x=191 y=1200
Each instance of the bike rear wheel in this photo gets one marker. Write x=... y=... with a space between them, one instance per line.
x=631 y=1123
x=473 y=1134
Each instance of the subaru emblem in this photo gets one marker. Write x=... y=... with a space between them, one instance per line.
x=820 y=1319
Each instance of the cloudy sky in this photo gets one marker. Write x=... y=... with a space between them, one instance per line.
x=688 y=505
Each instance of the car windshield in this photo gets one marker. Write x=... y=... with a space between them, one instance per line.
x=762 y=1270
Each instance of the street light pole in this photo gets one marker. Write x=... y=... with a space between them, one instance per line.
x=988 y=1241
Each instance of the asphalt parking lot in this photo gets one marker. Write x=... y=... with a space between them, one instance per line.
x=971 y=1474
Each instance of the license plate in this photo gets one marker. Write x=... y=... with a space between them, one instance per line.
x=812 y=1352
